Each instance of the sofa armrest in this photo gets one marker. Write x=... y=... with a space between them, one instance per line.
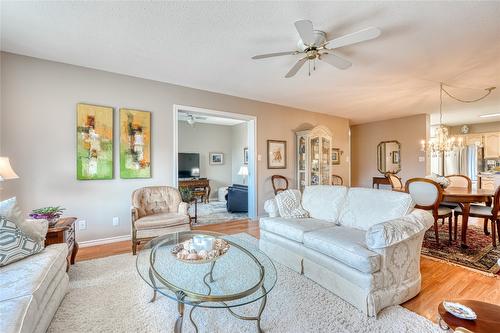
x=271 y=208
x=183 y=208
x=392 y=232
x=134 y=213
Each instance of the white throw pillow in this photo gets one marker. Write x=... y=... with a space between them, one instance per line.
x=35 y=229
x=289 y=205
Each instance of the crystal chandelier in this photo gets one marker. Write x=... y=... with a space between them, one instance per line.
x=442 y=142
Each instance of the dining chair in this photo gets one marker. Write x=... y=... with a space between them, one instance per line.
x=337 y=180
x=487 y=213
x=427 y=195
x=280 y=183
x=457 y=181
x=394 y=180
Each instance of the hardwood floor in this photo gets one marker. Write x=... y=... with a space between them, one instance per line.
x=439 y=280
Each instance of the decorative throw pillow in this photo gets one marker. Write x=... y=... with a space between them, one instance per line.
x=35 y=229
x=289 y=205
x=15 y=244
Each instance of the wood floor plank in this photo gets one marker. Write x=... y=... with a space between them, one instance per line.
x=439 y=280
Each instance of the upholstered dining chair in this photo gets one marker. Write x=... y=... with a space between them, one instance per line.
x=156 y=211
x=395 y=181
x=487 y=213
x=427 y=195
x=337 y=180
x=280 y=183
x=457 y=181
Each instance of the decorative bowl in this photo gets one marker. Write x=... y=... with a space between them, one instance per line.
x=459 y=310
x=188 y=253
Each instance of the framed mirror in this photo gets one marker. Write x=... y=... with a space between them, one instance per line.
x=389 y=157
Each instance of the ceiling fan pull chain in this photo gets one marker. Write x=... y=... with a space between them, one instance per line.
x=314 y=67
x=309 y=63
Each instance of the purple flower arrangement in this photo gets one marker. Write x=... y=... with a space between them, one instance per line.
x=48 y=213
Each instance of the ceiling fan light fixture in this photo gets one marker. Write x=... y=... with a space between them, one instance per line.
x=190 y=119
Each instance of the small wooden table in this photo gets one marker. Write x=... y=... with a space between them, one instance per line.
x=200 y=187
x=64 y=232
x=377 y=181
x=488 y=317
x=464 y=198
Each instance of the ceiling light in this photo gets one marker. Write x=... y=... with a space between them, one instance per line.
x=190 y=119
x=489 y=115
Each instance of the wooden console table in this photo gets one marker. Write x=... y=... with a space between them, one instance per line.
x=200 y=187
x=64 y=232
x=380 y=181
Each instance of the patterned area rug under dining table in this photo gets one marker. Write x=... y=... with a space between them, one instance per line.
x=480 y=255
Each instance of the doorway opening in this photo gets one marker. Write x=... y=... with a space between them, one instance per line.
x=214 y=164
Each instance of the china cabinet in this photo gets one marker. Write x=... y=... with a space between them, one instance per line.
x=314 y=157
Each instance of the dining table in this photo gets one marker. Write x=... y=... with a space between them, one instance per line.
x=464 y=197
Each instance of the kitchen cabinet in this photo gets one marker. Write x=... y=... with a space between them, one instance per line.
x=491 y=145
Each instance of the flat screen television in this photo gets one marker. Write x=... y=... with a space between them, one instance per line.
x=189 y=165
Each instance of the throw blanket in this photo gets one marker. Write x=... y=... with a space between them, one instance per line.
x=289 y=205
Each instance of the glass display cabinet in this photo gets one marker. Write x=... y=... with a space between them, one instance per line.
x=314 y=157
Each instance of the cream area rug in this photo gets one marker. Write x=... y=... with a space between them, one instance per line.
x=107 y=295
x=214 y=212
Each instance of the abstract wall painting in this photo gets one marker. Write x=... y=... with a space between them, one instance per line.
x=135 y=144
x=94 y=129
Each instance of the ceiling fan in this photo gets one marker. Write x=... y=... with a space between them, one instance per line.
x=314 y=45
x=190 y=118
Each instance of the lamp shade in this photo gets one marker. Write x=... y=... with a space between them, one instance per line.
x=6 y=171
x=243 y=171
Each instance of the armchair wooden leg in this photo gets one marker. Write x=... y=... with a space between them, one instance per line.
x=134 y=242
x=485 y=226
x=450 y=227
x=436 y=230
x=494 y=233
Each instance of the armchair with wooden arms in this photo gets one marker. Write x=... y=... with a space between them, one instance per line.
x=156 y=211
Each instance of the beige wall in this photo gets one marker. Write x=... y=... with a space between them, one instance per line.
x=205 y=139
x=239 y=142
x=38 y=132
x=409 y=131
x=477 y=128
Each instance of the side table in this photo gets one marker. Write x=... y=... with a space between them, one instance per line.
x=488 y=317
x=64 y=232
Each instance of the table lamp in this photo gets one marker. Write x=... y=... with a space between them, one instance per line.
x=6 y=171
x=243 y=172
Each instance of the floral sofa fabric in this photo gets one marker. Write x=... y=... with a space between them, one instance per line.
x=362 y=244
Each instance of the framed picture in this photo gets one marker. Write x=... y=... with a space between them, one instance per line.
x=335 y=156
x=395 y=157
x=216 y=158
x=135 y=144
x=276 y=154
x=245 y=155
x=94 y=142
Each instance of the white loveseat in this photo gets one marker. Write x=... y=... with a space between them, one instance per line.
x=32 y=289
x=362 y=244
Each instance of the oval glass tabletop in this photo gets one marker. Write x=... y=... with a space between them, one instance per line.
x=242 y=275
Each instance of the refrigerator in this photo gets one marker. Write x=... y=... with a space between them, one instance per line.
x=467 y=161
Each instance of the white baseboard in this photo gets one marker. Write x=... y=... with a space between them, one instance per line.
x=104 y=241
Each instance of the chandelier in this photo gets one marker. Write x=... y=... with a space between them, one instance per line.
x=442 y=142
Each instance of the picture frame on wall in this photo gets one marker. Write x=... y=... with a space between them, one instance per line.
x=94 y=142
x=216 y=158
x=135 y=144
x=276 y=154
x=335 y=156
x=245 y=155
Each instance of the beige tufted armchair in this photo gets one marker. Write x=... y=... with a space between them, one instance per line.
x=156 y=211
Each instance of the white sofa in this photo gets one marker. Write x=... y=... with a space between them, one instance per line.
x=361 y=244
x=32 y=289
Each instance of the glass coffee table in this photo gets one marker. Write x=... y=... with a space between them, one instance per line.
x=241 y=276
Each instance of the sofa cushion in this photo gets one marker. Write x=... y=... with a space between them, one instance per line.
x=33 y=275
x=19 y=314
x=292 y=229
x=366 y=207
x=324 y=202
x=345 y=244
x=160 y=220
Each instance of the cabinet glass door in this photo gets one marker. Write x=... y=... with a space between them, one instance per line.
x=325 y=161
x=315 y=161
x=302 y=153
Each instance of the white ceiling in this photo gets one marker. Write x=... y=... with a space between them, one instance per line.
x=206 y=119
x=208 y=45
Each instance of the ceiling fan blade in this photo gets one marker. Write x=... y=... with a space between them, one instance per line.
x=305 y=30
x=296 y=67
x=335 y=61
x=277 y=54
x=353 y=38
